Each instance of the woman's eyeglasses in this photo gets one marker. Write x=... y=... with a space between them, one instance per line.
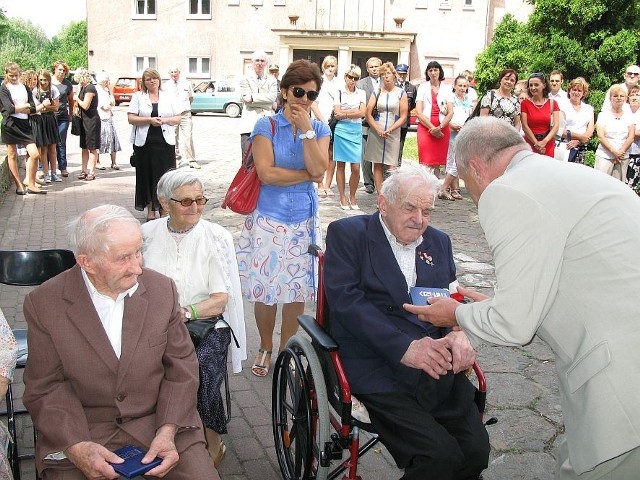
x=300 y=92
x=351 y=77
x=187 y=202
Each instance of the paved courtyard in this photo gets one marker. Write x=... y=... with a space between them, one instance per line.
x=523 y=393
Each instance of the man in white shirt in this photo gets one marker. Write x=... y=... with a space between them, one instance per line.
x=560 y=96
x=631 y=79
x=183 y=92
x=259 y=90
x=110 y=361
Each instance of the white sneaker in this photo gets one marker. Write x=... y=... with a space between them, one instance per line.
x=47 y=178
x=55 y=177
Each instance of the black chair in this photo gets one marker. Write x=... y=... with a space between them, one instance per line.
x=27 y=268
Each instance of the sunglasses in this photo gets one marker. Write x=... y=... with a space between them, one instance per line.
x=300 y=92
x=351 y=77
x=633 y=74
x=187 y=202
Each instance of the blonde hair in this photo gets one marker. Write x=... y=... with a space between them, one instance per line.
x=387 y=67
x=579 y=82
x=11 y=67
x=149 y=73
x=83 y=76
x=329 y=59
x=617 y=89
x=353 y=71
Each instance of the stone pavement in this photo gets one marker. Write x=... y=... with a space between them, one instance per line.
x=523 y=393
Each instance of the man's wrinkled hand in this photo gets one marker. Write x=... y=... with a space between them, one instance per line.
x=163 y=446
x=463 y=353
x=429 y=355
x=91 y=458
x=441 y=312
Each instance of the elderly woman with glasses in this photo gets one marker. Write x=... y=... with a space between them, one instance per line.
x=199 y=256
x=154 y=115
x=540 y=116
x=290 y=151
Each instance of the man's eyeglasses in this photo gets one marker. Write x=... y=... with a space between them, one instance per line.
x=187 y=202
x=259 y=60
x=300 y=92
x=633 y=74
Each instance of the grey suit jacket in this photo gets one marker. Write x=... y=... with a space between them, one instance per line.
x=76 y=389
x=564 y=239
x=264 y=92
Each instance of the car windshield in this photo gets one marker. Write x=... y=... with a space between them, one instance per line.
x=126 y=82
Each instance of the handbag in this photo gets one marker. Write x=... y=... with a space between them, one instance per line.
x=76 y=124
x=242 y=195
x=198 y=329
x=133 y=159
x=333 y=121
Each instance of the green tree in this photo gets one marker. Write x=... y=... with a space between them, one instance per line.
x=24 y=43
x=70 y=45
x=594 y=39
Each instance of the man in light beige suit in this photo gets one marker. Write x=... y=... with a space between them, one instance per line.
x=568 y=271
x=110 y=361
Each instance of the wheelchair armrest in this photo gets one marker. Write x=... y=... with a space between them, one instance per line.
x=317 y=333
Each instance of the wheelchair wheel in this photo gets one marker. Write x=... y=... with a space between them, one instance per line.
x=300 y=413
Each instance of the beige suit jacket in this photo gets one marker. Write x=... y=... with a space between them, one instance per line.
x=564 y=240
x=77 y=390
x=264 y=92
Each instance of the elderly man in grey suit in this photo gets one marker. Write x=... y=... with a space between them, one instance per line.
x=259 y=90
x=371 y=86
x=110 y=361
x=568 y=271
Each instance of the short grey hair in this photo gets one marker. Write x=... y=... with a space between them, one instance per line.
x=174 y=179
x=483 y=138
x=259 y=54
x=354 y=71
x=408 y=174
x=89 y=232
x=102 y=76
x=82 y=76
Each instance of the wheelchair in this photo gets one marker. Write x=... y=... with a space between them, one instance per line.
x=312 y=418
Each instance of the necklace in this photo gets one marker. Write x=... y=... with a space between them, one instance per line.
x=179 y=232
x=539 y=107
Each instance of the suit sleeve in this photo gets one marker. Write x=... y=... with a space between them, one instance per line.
x=347 y=301
x=528 y=254
x=179 y=388
x=48 y=393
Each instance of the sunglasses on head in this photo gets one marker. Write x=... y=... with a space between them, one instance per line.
x=300 y=92
x=187 y=202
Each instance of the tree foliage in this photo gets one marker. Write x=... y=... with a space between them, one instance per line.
x=594 y=39
x=26 y=44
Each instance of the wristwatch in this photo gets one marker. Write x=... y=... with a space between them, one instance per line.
x=308 y=135
x=187 y=313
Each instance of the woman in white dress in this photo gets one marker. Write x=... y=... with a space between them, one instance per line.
x=109 y=142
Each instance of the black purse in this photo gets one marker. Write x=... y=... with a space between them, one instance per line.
x=76 y=124
x=198 y=329
x=133 y=160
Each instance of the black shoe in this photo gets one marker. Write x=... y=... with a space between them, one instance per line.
x=369 y=188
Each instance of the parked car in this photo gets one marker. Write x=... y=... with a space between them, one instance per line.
x=124 y=88
x=222 y=96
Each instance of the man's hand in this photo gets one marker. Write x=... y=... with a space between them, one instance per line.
x=162 y=446
x=429 y=355
x=91 y=458
x=441 y=311
x=463 y=353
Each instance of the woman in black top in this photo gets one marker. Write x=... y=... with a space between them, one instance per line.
x=90 y=131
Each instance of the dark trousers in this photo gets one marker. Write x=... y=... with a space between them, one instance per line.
x=61 y=146
x=434 y=432
x=366 y=167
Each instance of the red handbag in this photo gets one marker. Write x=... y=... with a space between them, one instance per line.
x=242 y=195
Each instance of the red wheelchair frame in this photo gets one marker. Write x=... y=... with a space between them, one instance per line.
x=309 y=378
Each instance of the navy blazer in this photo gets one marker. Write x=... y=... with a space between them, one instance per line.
x=365 y=290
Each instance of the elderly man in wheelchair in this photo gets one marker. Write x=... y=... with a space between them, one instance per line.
x=409 y=374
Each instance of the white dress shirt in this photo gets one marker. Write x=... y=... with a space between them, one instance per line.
x=110 y=312
x=405 y=255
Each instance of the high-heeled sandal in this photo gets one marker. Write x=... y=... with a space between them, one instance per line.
x=456 y=194
x=445 y=195
x=261 y=368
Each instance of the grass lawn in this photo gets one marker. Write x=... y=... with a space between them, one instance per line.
x=410 y=151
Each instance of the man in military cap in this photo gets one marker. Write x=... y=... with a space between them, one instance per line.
x=274 y=71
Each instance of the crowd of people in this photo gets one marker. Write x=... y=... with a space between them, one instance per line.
x=404 y=363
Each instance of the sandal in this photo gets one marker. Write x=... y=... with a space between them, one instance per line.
x=220 y=455
x=260 y=368
x=456 y=194
x=115 y=167
x=82 y=176
x=89 y=177
x=444 y=195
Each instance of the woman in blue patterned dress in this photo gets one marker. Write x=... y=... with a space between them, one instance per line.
x=290 y=152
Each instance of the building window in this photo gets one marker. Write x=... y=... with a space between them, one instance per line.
x=142 y=63
x=256 y=3
x=199 y=67
x=421 y=3
x=279 y=3
x=468 y=5
x=233 y=2
x=445 y=4
x=144 y=8
x=199 y=9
